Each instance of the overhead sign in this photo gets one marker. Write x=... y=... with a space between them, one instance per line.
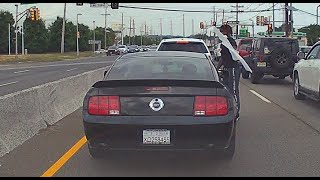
x=97 y=4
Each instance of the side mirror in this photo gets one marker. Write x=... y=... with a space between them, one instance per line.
x=301 y=55
x=104 y=74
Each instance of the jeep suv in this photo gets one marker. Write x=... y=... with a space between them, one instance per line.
x=271 y=56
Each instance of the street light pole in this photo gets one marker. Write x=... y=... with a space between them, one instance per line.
x=317 y=14
x=78 y=34
x=63 y=27
x=94 y=37
x=252 y=28
x=22 y=40
x=9 y=39
x=105 y=25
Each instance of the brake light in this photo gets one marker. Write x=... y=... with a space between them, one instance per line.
x=104 y=105
x=210 y=106
x=182 y=42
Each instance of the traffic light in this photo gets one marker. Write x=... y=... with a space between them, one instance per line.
x=258 y=22
x=270 y=30
x=114 y=5
x=38 y=14
x=201 y=25
x=33 y=13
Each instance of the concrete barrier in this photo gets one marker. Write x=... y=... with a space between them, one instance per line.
x=24 y=113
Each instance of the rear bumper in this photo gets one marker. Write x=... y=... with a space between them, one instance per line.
x=272 y=71
x=186 y=137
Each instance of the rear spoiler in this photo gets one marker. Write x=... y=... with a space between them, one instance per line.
x=158 y=82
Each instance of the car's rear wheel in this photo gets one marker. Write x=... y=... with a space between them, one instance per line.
x=296 y=88
x=245 y=74
x=256 y=77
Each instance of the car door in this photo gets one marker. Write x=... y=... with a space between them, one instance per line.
x=315 y=68
x=306 y=77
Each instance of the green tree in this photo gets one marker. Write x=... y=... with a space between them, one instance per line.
x=6 y=18
x=313 y=33
x=84 y=37
x=35 y=36
x=55 y=35
x=70 y=37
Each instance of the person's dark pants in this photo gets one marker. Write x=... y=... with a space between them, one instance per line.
x=232 y=83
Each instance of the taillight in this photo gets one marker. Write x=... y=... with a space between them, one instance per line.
x=104 y=105
x=210 y=106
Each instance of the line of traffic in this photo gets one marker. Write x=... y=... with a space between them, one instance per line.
x=17 y=72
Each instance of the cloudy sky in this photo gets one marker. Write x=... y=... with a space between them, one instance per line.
x=49 y=12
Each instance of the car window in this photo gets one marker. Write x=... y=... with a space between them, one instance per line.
x=314 y=53
x=182 y=68
x=257 y=45
x=244 y=44
x=289 y=44
x=198 y=47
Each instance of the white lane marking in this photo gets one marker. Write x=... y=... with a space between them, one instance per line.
x=260 y=96
x=8 y=83
x=71 y=69
x=53 y=65
x=21 y=71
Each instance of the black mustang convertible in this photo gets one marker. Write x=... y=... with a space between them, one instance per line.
x=160 y=101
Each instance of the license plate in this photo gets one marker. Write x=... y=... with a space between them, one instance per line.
x=261 y=64
x=156 y=136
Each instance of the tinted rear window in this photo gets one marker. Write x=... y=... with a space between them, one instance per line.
x=122 y=47
x=182 y=68
x=197 y=47
x=289 y=44
x=244 y=44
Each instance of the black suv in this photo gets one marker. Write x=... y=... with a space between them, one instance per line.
x=271 y=56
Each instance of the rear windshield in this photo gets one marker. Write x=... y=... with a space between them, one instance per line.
x=305 y=49
x=113 y=47
x=122 y=46
x=181 y=68
x=197 y=47
x=134 y=46
x=244 y=44
x=289 y=44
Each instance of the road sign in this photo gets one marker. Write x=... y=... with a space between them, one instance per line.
x=96 y=42
x=232 y=22
x=97 y=4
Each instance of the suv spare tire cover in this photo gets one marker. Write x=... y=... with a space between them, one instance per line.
x=280 y=58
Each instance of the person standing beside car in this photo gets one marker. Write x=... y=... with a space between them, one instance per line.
x=230 y=66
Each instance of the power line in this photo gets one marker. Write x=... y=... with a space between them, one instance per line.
x=190 y=11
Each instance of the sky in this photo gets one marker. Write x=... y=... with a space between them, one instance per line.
x=49 y=12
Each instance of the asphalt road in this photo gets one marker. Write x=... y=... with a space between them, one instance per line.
x=16 y=77
x=276 y=136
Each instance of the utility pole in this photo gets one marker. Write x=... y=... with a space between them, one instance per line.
x=130 y=31
x=183 y=25
x=192 y=27
x=171 y=31
x=16 y=29
x=94 y=36
x=214 y=19
x=105 y=25
x=286 y=19
x=237 y=17
x=291 y=21
x=273 y=21
x=133 y=28
x=78 y=33
x=145 y=28
x=161 y=28
x=122 y=28
x=222 y=16
x=9 y=40
x=22 y=40
x=63 y=27
x=141 y=31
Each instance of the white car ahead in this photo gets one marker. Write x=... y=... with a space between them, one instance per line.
x=306 y=74
x=184 y=44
